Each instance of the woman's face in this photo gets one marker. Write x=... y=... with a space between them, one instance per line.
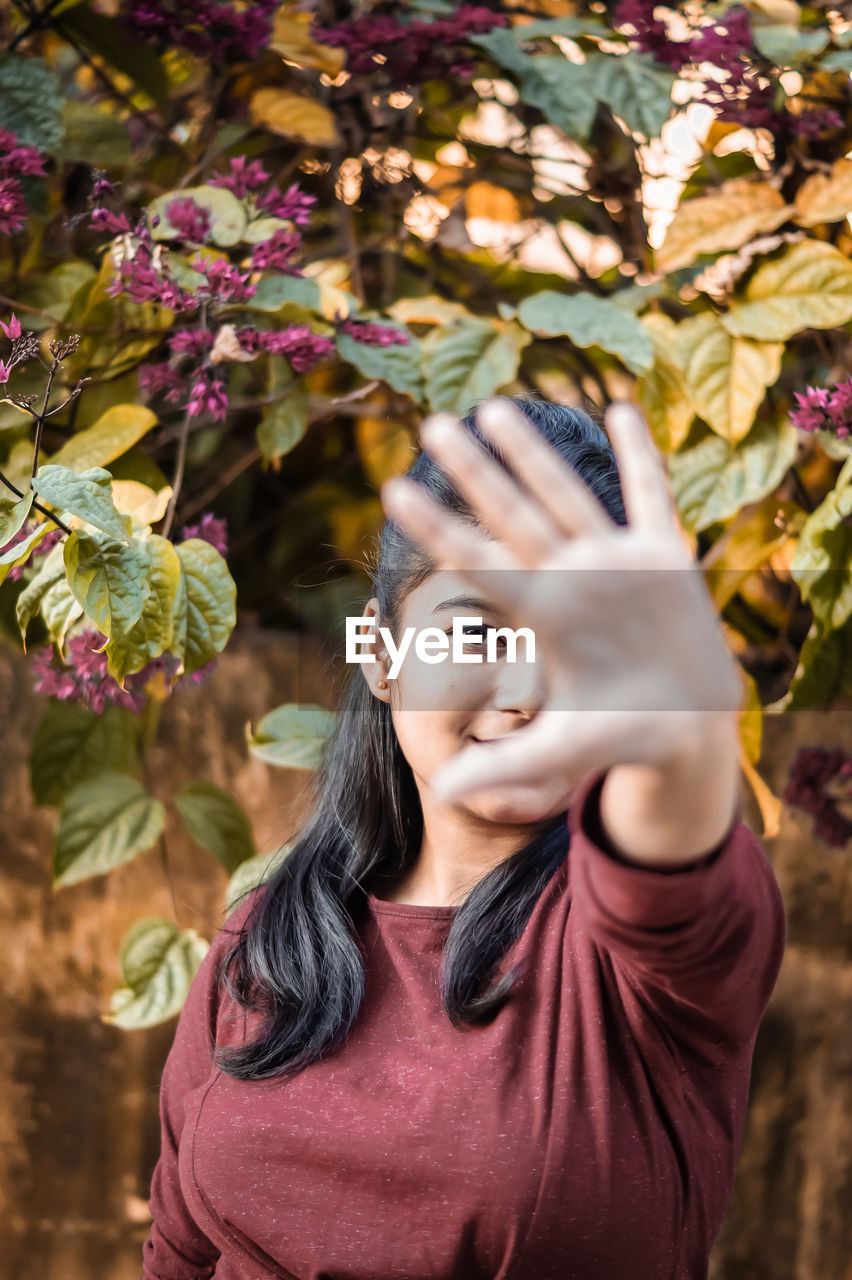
x=440 y=708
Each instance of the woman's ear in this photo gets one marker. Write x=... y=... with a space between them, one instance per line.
x=376 y=673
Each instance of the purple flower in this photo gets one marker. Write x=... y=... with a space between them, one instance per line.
x=162 y=379
x=84 y=678
x=212 y=529
x=103 y=219
x=190 y=220
x=13 y=207
x=205 y=28
x=302 y=347
x=822 y=410
x=275 y=253
x=375 y=335
x=242 y=178
x=142 y=282
x=819 y=777
x=207 y=397
x=224 y=282
x=12 y=330
x=16 y=161
x=5 y=370
x=293 y=205
x=191 y=342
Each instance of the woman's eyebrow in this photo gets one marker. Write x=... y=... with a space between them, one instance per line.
x=466 y=602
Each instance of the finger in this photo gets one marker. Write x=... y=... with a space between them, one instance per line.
x=566 y=498
x=444 y=536
x=644 y=485
x=493 y=495
x=526 y=757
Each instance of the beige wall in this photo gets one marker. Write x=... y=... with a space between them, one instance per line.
x=78 y=1128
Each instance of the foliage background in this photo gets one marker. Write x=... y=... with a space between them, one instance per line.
x=256 y=243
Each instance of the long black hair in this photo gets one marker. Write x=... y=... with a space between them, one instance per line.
x=297 y=958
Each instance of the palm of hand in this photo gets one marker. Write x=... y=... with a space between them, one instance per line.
x=632 y=651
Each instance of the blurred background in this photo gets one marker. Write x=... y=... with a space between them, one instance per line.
x=245 y=247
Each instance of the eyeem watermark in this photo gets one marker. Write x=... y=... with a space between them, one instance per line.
x=432 y=644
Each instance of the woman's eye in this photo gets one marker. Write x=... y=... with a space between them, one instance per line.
x=479 y=631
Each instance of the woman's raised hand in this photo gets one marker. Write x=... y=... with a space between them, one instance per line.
x=634 y=659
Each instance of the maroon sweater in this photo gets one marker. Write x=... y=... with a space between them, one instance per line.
x=590 y=1132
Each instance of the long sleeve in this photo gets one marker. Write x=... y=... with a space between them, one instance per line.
x=176 y=1248
x=698 y=949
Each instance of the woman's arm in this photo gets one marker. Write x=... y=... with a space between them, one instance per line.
x=673 y=814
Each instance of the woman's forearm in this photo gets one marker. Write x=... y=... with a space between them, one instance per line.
x=676 y=813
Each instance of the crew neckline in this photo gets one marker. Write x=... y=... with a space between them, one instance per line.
x=413 y=910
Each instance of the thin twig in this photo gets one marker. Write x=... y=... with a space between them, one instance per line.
x=41 y=417
x=35 y=22
x=177 y=481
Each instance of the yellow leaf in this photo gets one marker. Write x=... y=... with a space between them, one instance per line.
x=723 y=219
x=113 y=434
x=429 y=310
x=661 y=392
x=726 y=377
x=484 y=200
x=384 y=447
x=808 y=287
x=770 y=806
x=291 y=37
x=294 y=116
x=750 y=540
x=783 y=13
x=330 y=274
x=751 y=720
x=825 y=197
x=138 y=500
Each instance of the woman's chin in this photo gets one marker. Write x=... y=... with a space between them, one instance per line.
x=512 y=804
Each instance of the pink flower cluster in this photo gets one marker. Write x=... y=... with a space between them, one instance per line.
x=189 y=219
x=84 y=678
x=40 y=549
x=819 y=777
x=414 y=51
x=212 y=529
x=729 y=45
x=245 y=178
x=302 y=347
x=16 y=160
x=374 y=335
x=207 y=28
x=823 y=410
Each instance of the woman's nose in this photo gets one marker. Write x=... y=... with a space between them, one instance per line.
x=520 y=685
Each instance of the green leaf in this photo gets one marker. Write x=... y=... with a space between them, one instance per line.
x=51 y=570
x=205 y=610
x=822 y=559
x=152 y=632
x=93 y=135
x=275 y=292
x=398 y=366
x=227 y=214
x=562 y=90
x=30 y=101
x=87 y=494
x=635 y=87
x=787 y=46
x=13 y=514
x=467 y=360
x=54 y=291
x=808 y=287
x=252 y=873
x=113 y=434
x=60 y=609
x=840 y=60
x=292 y=736
x=216 y=822
x=108 y=579
x=284 y=423
x=21 y=552
x=713 y=481
x=104 y=823
x=159 y=962
x=589 y=321
x=823 y=672
x=111 y=39
x=71 y=744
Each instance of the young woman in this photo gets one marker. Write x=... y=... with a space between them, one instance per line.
x=493 y=1016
